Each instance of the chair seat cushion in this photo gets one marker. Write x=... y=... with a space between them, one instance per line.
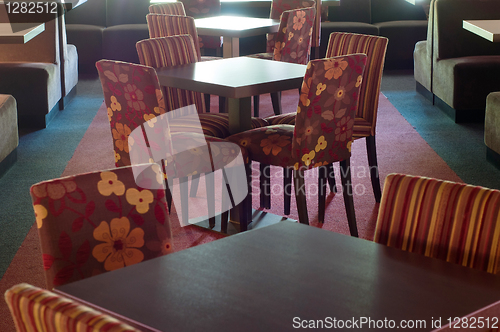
x=268 y=145
x=217 y=124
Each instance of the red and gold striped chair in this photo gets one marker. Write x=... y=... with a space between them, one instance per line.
x=323 y=130
x=161 y=25
x=452 y=221
x=292 y=43
x=180 y=50
x=168 y=8
x=201 y=9
x=96 y=222
x=342 y=43
x=38 y=310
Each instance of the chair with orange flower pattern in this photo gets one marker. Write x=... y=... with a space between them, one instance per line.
x=201 y=9
x=168 y=8
x=342 y=43
x=101 y=221
x=292 y=43
x=175 y=51
x=323 y=130
x=33 y=308
x=133 y=96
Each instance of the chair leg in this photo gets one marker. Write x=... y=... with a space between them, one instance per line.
x=287 y=188
x=210 y=184
x=195 y=180
x=183 y=187
x=168 y=195
x=345 y=175
x=245 y=207
x=222 y=104
x=300 y=196
x=207 y=101
x=265 y=186
x=322 y=170
x=372 y=162
x=256 y=106
x=331 y=178
x=276 y=100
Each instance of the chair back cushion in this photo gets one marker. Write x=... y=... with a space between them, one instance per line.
x=168 y=8
x=343 y=43
x=101 y=221
x=279 y=6
x=34 y=310
x=160 y=25
x=293 y=40
x=167 y=52
x=325 y=114
x=132 y=95
x=452 y=221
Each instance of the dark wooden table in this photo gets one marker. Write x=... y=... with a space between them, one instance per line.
x=232 y=28
x=276 y=277
x=238 y=79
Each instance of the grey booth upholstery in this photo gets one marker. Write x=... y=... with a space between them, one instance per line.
x=492 y=127
x=9 y=136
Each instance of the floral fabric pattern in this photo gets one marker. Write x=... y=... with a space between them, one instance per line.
x=324 y=121
x=200 y=9
x=97 y=222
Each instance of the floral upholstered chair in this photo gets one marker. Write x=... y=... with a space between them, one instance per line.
x=134 y=100
x=168 y=8
x=33 y=308
x=323 y=130
x=201 y=9
x=343 y=43
x=101 y=221
x=451 y=221
x=292 y=44
x=182 y=50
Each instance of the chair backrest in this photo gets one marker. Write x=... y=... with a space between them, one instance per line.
x=101 y=221
x=132 y=95
x=201 y=9
x=160 y=25
x=167 y=52
x=342 y=43
x=38 y=310
x=168 y=8
x=279 y=6
x=325 y=114
x=293 y=40
x=452 y=221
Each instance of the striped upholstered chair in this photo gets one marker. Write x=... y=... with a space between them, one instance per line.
x=292 y=43
x=38 y=310
x=455 y=222
x=168 y=8
x=322 y=133
x=96 y=222
x=179 y=50
x=342 y=43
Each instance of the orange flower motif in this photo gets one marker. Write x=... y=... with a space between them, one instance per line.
x=115 y=105
x=340 y=93
x=244 y=142
x=309 y=130
x=55 y=190
x=274 y=144
x=278 y=48
x=335 y=67
x=304 y=92
x=117 y=157
x=299 y=20
x=121 y=134
x=322 y=143
x=359 y=80
x=308 y=158
x=40 y=214
x=110 y=114
x=134 y=97
x=119 y=247
x=150 y=119
x=320 y=88
x=110 y=184
x=141 y=199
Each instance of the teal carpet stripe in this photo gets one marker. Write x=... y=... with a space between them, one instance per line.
x=42 y=155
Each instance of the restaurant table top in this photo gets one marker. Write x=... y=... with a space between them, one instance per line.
x=488 y=29
x=19 y=33
x=278 y=277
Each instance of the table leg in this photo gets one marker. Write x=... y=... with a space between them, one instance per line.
x=240 y=114
x=231 y=47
